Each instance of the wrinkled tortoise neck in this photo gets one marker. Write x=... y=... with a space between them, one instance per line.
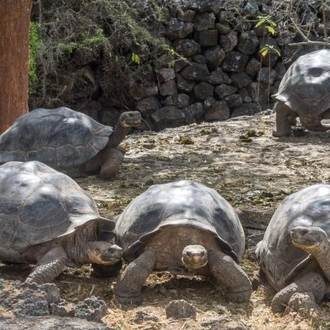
x=117 y=136
x=76 y=244
x=321 y=254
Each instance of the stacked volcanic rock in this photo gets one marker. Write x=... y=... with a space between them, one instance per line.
x=39 y=306
x=220 y=72
x=209 y=60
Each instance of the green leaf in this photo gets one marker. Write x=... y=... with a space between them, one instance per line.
x=172 y=51
x=170 y=64
x=270 y=29
x=264 y=51
x=136 y=58
x=277 y=52
x=261 y=21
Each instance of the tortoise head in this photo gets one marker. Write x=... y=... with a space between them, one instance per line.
x=310 y=239
x=194 y=256
x=130 y=119
x=103 y=253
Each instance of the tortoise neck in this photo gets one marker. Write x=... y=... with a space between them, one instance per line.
x=321 y=255
x=117 y=136
x=77 y=250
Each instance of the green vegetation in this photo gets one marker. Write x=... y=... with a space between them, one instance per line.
x=114 y=36
x=85 y=40
x=268 y=23
x=34 y=44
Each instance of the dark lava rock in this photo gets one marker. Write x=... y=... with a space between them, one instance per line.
x=180 y=309
x=92 y=309
x=28 y=299
x=50 y=323
x=31 y=301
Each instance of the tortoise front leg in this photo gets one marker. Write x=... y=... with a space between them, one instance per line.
x=311 y=282
x=231 y=275
x=112 y=163
x=49 y=266
x=285 y=117
x=130 y=282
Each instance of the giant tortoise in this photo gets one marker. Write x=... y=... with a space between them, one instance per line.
x=68 y=141
x=295 y=251
x=48 y=220
x=185 y=228
x=304 y=92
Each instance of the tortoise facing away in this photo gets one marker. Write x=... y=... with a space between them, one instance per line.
x=295 y=251
x=48 y=220
x=185 y=228
x=68 y=141
x=304 y=92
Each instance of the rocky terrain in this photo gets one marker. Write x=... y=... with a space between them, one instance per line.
x=242 y=161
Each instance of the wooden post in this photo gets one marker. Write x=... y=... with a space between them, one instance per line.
x=14 y=59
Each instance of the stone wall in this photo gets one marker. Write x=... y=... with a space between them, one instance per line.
x=212 y=69
x=224 y=74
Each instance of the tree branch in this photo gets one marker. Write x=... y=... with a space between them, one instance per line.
x=310 y=42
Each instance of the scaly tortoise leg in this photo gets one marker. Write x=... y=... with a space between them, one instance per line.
x=130 y=282
x=311 y=282
x=231 y=275
x=285 y=118
x=49 y=266
x=112 y=163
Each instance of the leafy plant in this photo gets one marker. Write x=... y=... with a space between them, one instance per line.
x=34 y=45
x=269 y=24
x=266 y=49
x=85 y=40
x=109 y=35
x=68 y=47
x=97 y=37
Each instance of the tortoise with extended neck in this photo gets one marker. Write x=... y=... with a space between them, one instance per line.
x=48 y=220
x=185 y=228
x=295 y=251
x=68 y=141
x=304 y=92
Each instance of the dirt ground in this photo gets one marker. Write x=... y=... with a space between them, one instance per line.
x=253 y=171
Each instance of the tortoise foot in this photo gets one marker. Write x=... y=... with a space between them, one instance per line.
x=302 y=302
x=111 y=167
x=240 y=296
x=311 y=284
x=281 y=134
x=129 y=299
x=299 y=131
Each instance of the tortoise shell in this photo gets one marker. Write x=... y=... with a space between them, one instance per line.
x=305 y=87
x=180 y=203
x=279 y=259
x=61 y=138
x=39 y=204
